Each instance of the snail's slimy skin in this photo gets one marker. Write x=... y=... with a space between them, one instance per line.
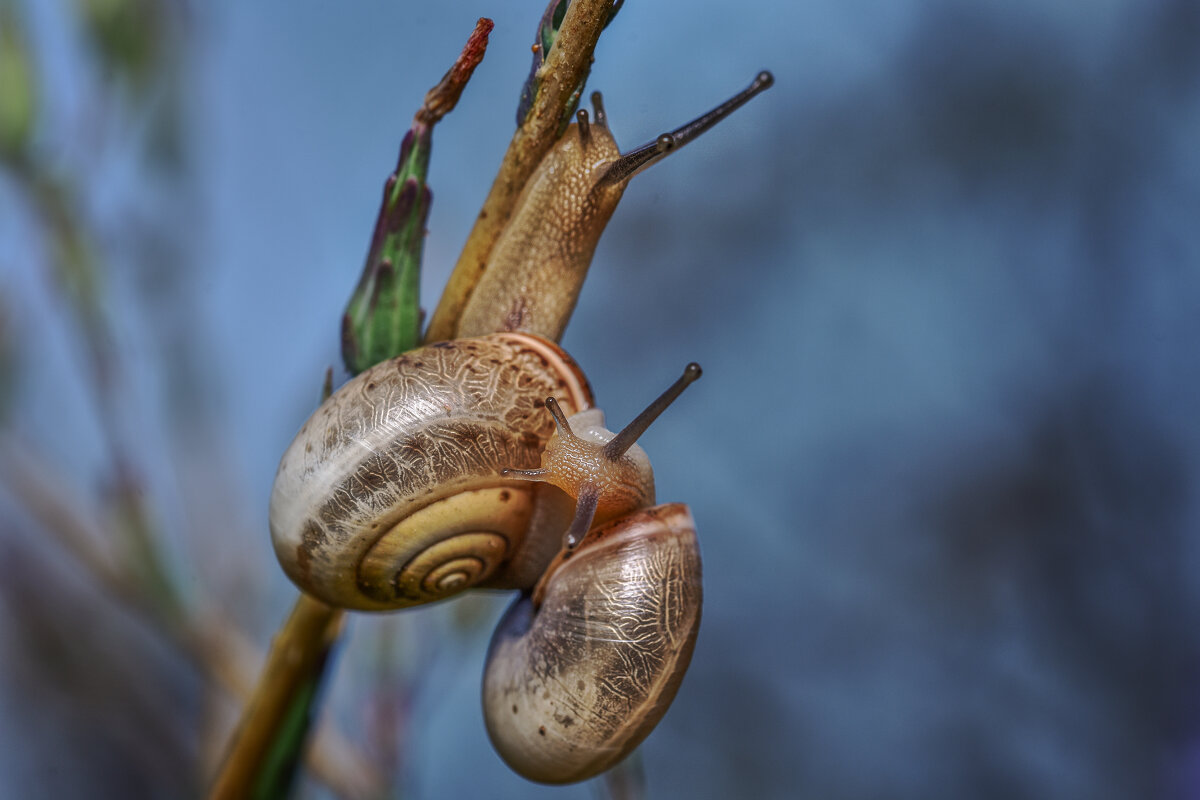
x=539 y=262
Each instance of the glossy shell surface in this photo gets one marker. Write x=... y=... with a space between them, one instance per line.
x=574 y=686
x=391 y=495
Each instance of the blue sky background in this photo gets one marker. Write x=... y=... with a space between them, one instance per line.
x=944 y=281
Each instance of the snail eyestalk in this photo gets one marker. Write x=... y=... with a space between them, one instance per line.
x=599 y=474
x=563 y=428
x=560 y=419
x=620 y=443
x=585 y=512
x=585 y=131
x=598 y=110
x=637 y=160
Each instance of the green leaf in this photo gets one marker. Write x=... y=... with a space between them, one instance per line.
x=383 y=318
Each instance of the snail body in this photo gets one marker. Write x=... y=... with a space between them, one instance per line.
x=457 y=466
x=537 y=266
x=550 y=239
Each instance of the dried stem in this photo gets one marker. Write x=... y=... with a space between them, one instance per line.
x=565 y=66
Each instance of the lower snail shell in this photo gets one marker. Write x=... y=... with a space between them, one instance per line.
x=391 y=494
x=572 y=687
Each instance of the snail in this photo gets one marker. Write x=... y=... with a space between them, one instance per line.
x=481 y=462
x=537 y=266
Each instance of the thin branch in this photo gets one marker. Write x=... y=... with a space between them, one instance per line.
x=234 y=662
x=294 y=662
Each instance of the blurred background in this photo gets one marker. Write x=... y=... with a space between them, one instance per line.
x=944 y=280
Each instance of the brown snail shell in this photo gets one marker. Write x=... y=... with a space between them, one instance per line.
x=391 y=494
x=574 y=686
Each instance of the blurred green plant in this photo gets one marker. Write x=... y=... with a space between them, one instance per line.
x=17 y=87
x=76 y=266
x=128 y=37
x=134 y=47
x=8 y=362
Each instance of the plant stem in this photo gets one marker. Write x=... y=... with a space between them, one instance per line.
x=294 y=667
x=302 y=644
x=565 y=66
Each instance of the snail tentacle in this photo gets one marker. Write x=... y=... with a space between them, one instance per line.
x=585 y=512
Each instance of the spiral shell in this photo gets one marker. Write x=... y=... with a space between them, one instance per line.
x=574 y=686
x=390 y=495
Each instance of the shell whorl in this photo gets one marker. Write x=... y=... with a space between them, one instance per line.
x=390 y=495
x=574 y=686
